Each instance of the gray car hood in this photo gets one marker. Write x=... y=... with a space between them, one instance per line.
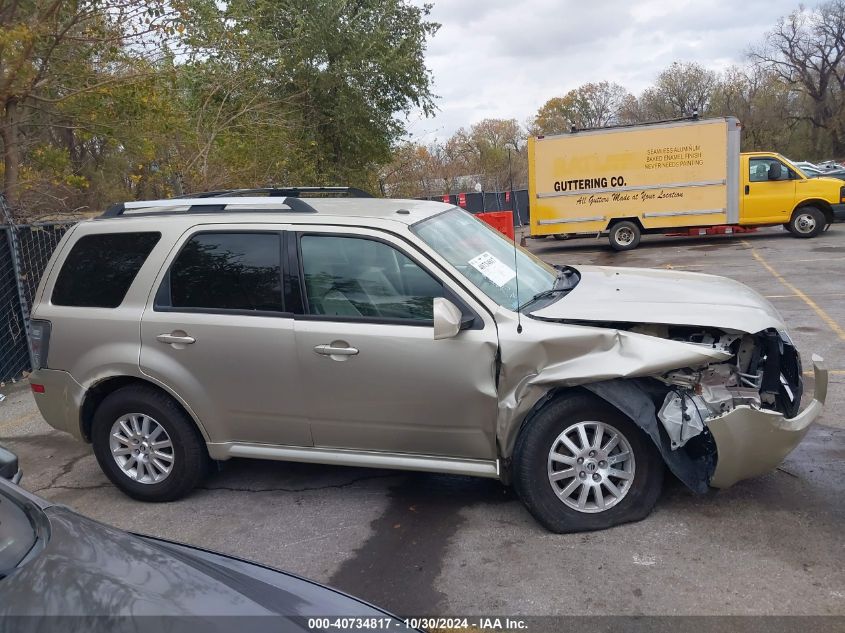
x=91 y=569
x=642 y=295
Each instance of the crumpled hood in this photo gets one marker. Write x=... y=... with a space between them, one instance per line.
x=643 y=295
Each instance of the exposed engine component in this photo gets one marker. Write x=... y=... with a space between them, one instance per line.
x=682 y=416
x=754 y=377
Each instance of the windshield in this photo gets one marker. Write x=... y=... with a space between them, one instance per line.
x=17 y=534
x=486 y=257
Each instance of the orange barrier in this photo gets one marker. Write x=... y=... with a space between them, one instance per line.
x=502 y=221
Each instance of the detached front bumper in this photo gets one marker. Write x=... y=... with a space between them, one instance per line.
x=752 y=442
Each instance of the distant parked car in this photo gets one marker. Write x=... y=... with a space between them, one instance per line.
x=804 y=165
x=833 y=173
x=55 y=562
x=812 y=172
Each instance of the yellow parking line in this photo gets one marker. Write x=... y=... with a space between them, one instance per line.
x=832 y=324
x=832 y=372
x=816 y=294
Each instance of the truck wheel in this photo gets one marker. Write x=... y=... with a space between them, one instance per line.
x=147 y=446
x=561 y=236
x=807 y=222
x=580 y=464
x=624 y=236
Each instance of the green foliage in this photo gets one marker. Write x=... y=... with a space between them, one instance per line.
x=141 y=99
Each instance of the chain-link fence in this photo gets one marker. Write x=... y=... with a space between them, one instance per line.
x=25 y=250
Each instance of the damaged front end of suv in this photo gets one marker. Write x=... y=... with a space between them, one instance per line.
x=709 y=372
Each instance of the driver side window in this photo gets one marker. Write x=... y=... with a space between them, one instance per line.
x=356 y=277
x=765 y=169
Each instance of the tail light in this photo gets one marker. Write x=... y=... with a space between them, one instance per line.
x=39 y=337
x=841 y=194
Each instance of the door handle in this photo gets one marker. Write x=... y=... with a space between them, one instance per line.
x=176 y=339
x=747 y=190
x=328 y=349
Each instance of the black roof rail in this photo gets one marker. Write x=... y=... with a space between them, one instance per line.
x=279 y=192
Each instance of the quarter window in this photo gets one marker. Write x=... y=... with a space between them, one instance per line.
x=100 y=268
x=228 y=271
x=358 y=277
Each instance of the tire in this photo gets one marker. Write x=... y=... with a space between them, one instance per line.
x=533 y=467
x=561 y=236
x=624 y=236
x=126 y=411
x=807 y=222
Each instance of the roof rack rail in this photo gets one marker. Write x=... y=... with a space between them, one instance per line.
x=199 y=205
x=279 y=192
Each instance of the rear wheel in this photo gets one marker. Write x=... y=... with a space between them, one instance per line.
x=624 y=236
x=807 y=222
x=582 y=465
x=147 y=446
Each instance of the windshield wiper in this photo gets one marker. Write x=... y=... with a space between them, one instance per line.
x=542 y=295
x=567 y=278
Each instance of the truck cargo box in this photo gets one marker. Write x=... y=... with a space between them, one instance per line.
x=663 y=175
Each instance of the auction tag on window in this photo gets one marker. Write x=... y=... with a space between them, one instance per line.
x=493 y=268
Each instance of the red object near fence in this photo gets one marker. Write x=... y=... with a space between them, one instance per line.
x=502 y=221
x=462 y=200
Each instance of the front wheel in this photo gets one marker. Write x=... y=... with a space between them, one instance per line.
x=582 y=465
x=624 y=236
x=807 y=222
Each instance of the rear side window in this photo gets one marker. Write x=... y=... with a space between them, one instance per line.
x=228 y=271
x=99 y=269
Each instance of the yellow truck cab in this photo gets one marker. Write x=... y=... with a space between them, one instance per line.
x=775 y=191
x=674 y=177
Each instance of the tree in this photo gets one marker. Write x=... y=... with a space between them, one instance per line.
x=764 y=105
x=679 y=91
x=806 y=50
x=484 y=150
x=588 y=106
x=52 y=50
x=347 y=68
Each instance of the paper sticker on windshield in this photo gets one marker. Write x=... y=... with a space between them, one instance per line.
x=493 y=268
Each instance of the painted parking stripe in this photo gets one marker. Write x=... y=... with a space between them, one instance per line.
x=824 y=316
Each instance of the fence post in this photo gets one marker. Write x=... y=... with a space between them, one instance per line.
x=14 y=249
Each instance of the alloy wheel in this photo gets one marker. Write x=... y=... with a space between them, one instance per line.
x=141 y=448
x=591 y=466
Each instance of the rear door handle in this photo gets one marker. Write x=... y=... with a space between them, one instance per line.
x=747 y=190
x=176 y=339
x=327 y=349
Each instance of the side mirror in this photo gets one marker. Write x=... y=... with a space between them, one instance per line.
x=9 y=466
x=447 y=319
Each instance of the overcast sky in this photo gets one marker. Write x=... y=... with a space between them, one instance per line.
x=505 y=58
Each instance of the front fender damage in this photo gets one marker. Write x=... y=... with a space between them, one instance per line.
x=720 y=405
x=552 y=355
